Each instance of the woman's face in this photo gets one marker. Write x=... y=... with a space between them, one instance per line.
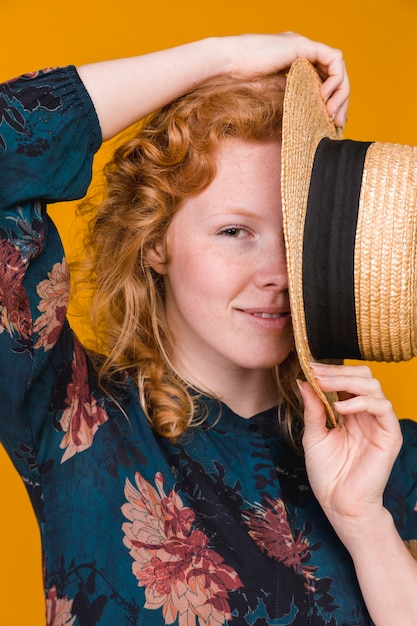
x=226 y=279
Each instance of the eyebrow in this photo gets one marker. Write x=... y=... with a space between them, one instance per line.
x=233 y=210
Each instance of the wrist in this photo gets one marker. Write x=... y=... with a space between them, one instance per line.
x=226 y=56
x=211 y=58
x=361 y=532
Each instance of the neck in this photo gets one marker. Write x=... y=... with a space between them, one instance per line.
x=245 y=392
x=248 y=400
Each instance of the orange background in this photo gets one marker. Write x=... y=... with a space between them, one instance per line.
x=378 y=39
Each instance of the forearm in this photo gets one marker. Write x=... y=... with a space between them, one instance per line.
x=126 y=90
x=386 y=571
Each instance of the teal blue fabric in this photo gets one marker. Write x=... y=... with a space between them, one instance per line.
x=221 y=528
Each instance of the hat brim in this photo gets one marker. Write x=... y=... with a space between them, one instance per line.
x=305 y=124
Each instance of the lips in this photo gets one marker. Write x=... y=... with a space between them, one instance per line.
x=268 y=318
x=270 y=315
x=268 y=311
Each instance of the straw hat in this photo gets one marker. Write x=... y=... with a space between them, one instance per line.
x=350 y=221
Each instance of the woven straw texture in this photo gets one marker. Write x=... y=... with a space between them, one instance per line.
x=385 y=254
x=305 y=123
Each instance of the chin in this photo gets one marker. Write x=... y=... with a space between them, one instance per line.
x=265 y=364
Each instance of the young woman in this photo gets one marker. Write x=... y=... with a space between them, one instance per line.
x=167 y=475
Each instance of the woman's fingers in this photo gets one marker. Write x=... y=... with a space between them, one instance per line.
x=314 y=413
x=254 y=55
x=360 y=395
x=354 y=380
x=331 y=67
x=379 y=407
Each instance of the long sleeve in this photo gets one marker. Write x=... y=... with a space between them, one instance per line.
x=48 y=135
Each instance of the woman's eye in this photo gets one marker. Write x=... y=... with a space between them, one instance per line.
x=234 y=231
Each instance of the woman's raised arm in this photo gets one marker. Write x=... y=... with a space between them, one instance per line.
x=126 y=90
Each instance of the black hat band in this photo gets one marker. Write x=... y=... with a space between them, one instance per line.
x=329 y=248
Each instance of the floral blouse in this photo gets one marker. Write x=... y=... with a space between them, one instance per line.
x=221 y=528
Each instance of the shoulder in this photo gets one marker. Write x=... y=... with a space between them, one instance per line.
x=404 y=471
x=409 y=447
x=401 y=492
x=49 y=132
x=405 y=467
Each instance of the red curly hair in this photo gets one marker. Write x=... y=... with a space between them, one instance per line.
x=172 y=155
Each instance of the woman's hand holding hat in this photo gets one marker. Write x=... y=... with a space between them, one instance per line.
x=254 y=55
x=348 y=468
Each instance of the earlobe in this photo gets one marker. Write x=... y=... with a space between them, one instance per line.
x=156 y=257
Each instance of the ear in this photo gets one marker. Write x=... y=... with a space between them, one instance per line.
x=157 y=258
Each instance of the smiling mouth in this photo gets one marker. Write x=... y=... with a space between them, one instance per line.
x=270 y=315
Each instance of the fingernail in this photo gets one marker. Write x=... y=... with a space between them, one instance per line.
x=318 y=366
x=300 y=386
x=338 y=404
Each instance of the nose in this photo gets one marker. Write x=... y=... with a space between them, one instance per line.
x=271 y=267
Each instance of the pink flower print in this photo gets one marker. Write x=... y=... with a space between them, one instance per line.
x=58 y=610
x=271 y=531
x=15 y=316
x=54 y=294
x=172 y=560
x=82 y=418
